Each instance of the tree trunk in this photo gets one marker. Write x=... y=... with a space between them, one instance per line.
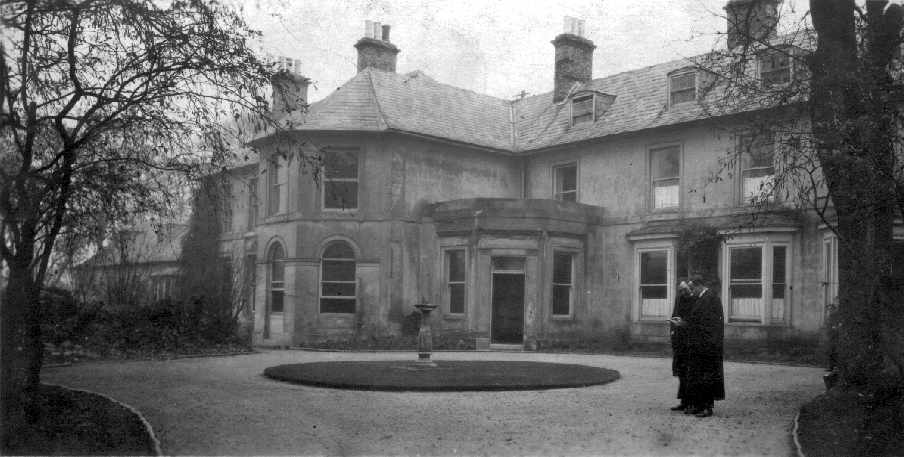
x=22 y=350
x=854 y=138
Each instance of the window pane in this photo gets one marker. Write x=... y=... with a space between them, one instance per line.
x=682 y=82
x=457 y=298
x=758 y=181
x=778 y=272
x=665 y=193
x=746 y=263
x=340 y=195
x=338 y=270
x=508 y=263
x=778 y=264
x=653 y=267
x=276 y=302
x=341 y=164
x=664 y=163
x=683 y=96
x=775 y=68
x=561 y=300
x=746 y=291
x=337 y=289
x=583 y=118
x=561 y=268
x=456 y=265
x=582 y=106
x=276 y=200
x=337 y=305
x=278 y=272
x=338 y=250
x=566 y=178
x=654 y=292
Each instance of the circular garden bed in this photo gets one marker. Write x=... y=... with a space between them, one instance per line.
x=446 y=376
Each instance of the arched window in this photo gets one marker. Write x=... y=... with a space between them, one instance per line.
x=277 y=258
x=338 y=282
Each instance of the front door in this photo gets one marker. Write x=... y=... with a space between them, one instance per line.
x=508 y=300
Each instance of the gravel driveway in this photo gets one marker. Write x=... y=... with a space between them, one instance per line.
x=225 y=406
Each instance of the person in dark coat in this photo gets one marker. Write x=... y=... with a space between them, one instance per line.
x=705 y=327
x=683 y=303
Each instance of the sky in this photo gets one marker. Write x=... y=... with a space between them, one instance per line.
x=493 y=47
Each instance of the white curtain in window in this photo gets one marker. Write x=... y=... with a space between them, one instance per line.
x=755 y=185
x=778 y=309
x=655 y=307
x=746 y=308
x=665 y=197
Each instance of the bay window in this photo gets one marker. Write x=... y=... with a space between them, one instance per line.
x=757 y=285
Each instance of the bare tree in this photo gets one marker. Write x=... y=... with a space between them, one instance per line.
x=830 y=98
x=108 y=108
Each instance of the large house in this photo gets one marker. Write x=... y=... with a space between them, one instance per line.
x=550 y=217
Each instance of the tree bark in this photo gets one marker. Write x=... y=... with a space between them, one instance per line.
x=22 y=351
x=854 y=132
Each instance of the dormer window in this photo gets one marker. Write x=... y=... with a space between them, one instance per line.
x=682 y=88
x=775 y=67
x=582 y=109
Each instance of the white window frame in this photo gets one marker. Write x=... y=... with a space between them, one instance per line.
x=554 y=172
x=272 y=285
x=447 y=283
x=354 y=281
x=253 y=204
x=640 y=248
x=572 y=286
x=579 y=98
x=326 y=181
x=789 y=53
x=277 y=203
x=766 y=243
x=651 y=186
x=671 y=92
x=744 y=158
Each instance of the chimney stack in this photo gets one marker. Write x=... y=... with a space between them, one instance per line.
x=290 y=88
x=751 y=21
x=375 y=50
x=574 y=58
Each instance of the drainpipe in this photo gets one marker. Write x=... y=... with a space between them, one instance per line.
x=523 y=178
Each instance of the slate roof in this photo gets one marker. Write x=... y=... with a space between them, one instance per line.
x=376 y=100
x=640 y=103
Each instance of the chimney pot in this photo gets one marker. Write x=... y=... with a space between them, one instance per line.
x=290 y=89
x=581 y=28
x=368 y=29
x=377 y=53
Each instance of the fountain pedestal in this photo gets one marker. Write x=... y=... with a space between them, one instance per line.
x=425 y=337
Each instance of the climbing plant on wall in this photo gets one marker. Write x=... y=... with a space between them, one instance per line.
x=698 y=250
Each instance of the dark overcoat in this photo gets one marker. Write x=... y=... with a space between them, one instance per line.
x=706 y=333
x=683 y=306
